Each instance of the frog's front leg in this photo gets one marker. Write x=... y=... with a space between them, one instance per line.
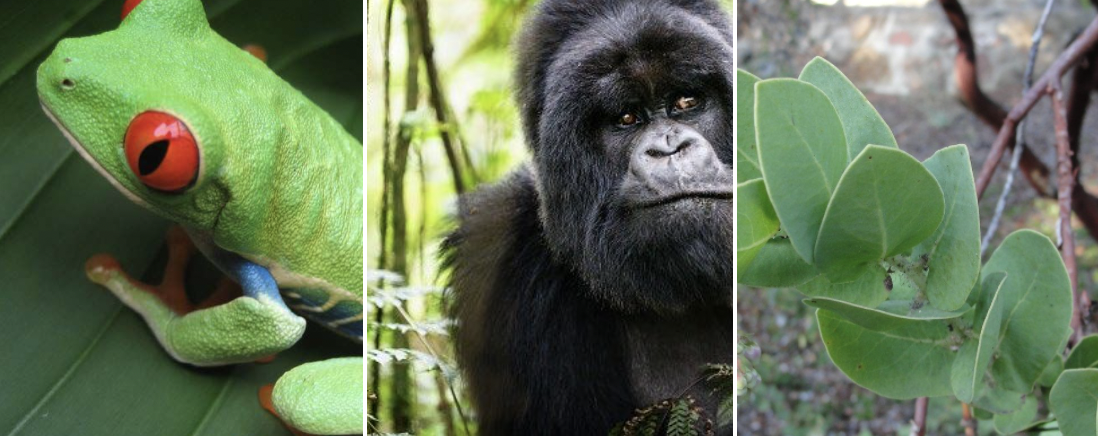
x=253 y=326
x=323 y=398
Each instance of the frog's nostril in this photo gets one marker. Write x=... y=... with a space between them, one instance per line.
x=67 y=60
x=67 y=84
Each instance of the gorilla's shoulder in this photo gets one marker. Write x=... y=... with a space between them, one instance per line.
x=491 y=221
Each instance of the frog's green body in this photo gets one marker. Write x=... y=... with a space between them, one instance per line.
x=276 y=195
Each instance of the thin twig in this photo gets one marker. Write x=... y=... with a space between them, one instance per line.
x=1066 y=181
x=968 y=421
x=1027 y=81
x=1067 y=59
x=987 y=110
x=374 y=378
x=919 y=423
x=454 y=156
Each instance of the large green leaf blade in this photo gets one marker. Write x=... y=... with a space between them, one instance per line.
x=747 y=155
x=1074 y=400
x=756 y=221
x=1037 y=306
x=885 y=204
x=953 y=251
x=894 y=356
x=861 y=122
x=777 y=265
x=802 y=154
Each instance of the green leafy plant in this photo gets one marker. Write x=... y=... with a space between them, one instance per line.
x=887 y=249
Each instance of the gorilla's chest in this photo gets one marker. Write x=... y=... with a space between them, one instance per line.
x=666 y=355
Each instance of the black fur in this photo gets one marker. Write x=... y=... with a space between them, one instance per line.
x=574 y=308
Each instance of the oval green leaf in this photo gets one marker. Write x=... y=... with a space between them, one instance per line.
x=802 y=154
x=756 y=222
x=1074 y=400
x=1051 y=373
x=1021 y=419
x=885 y=204
x=953 y=251
x=1084 y=355
x=894 y=356
x=869 y=290
x=777 y=265
x=970 y=366
x=747 y=155
x=861 y=122
x=1036 y=306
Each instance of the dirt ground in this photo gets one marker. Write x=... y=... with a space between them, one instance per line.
x=900 y=53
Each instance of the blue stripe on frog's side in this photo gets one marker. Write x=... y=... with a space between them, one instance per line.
x=343 y=316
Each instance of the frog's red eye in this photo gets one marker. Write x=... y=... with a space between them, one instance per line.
x=161 y=151
x=128 y=6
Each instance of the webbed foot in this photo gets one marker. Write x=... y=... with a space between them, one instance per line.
x=219 y=330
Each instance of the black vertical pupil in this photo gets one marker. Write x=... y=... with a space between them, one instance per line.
x=151 y=157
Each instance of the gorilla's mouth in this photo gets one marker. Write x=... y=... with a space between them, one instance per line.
x=680 y=196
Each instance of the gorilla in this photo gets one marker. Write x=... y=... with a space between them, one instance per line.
x=597 y=279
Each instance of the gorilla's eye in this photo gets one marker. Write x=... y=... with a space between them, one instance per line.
x=628 y=119
x=685 y=103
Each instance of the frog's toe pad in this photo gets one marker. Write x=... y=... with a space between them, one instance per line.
x=322 y=397
x=101 y=268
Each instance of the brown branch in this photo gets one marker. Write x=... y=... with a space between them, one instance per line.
x=1083 y=79
x=1065 y=182
x=456 y=158
x=989 y=112
x=386 y=176
x=968 y=421
x=919 y=424
x=1067 y=59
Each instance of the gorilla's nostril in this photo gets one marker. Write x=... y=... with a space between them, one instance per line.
x=67 y=84
x=683 y=146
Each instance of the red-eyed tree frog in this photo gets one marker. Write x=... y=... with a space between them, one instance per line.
x=259 y=179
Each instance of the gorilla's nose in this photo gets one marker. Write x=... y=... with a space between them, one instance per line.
x=677 y=160
x=671 y=145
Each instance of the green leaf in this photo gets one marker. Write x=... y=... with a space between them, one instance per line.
x=1000 y=401
x=1051 y=372
x=894 y=356
x=756 y=222
x=869 y=290
x=971 y=363
x=802 y=154
x=747 y=155
x=885 y=204
x=81 y=363
x=953 y=251
x=777 y=265
x=1036 y=306
x=1019 y=420
x=1084 y=355
x=861 y=122
x=1074 y=400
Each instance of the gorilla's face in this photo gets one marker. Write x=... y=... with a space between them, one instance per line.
x=633 y=154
